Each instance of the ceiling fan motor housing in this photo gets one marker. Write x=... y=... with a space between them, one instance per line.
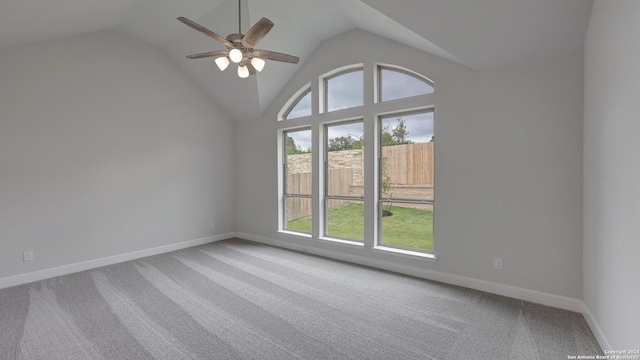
x=236 y=40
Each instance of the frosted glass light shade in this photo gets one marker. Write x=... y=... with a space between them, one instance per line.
x=243 y=71
x=235 y=55
x=257 y=63
x=222 y=63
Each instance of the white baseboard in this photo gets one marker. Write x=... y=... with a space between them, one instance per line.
x=562 y=302
x=595 y=329
x=534 y=296
x=109 y=260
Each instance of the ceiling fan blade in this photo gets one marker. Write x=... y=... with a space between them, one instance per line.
x=272 y=55
x=209 y=54
x=205 y=31
x=257 y=32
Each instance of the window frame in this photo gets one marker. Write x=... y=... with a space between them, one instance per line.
x=293 y=101
x=283 y=214
x=380 y=199
x=378 y=85
x=324 y=231
x=323 y=82
x=369 y=113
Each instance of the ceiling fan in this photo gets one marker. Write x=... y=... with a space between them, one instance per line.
x=240 y=47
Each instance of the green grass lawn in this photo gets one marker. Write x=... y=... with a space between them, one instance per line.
x=408 y=228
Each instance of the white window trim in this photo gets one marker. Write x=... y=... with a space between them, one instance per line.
x=325 y=196
x=378 y=90
x=293 y=101
x=282 y=198
x=331 y=74
x=370 y=112
x=379 y=199
x=405 y=253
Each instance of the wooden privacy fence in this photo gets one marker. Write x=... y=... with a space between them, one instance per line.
x=299 y=183
x=410 y=164
x=298 y=208
x=339 y=183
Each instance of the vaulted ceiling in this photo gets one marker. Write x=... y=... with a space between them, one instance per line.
x=479 y=34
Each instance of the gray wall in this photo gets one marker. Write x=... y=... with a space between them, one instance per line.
x=508 y=166
x=612 y=172
x=105 y=148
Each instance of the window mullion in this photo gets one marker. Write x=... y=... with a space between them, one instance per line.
x=369 y=154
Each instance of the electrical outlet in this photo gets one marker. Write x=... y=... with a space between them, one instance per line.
x=27 y=256
x=497 y=264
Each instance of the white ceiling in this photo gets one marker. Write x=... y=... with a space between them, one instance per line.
x=479 y=34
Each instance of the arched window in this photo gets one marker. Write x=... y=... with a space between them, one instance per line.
x=300 y=108
x=299 y=105
x=322 y=192
x=344 y=90
x=395 y=84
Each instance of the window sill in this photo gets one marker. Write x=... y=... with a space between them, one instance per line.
x=406 y=253
x=343 y=242
x=293 y=233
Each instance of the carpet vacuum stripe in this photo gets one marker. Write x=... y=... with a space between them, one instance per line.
x=235 y=299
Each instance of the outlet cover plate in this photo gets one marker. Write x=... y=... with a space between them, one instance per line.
x=27 y=256
x=497 y=263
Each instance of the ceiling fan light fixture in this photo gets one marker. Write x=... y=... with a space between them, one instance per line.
x=240 y=48
x=222 y=62
x=257 y=63
x=243 y=71
x=236 y=55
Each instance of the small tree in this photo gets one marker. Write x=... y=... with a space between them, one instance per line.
x=387 y=139
x=398 y=134
x=386 y=184
x=349 y=142
x=386 y=179
x=293 y=148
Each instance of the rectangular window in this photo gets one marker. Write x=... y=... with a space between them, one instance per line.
x=344 y=181
x=297 y=180
x=406 y=191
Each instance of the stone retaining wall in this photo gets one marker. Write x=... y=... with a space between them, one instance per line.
x=301 y=163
